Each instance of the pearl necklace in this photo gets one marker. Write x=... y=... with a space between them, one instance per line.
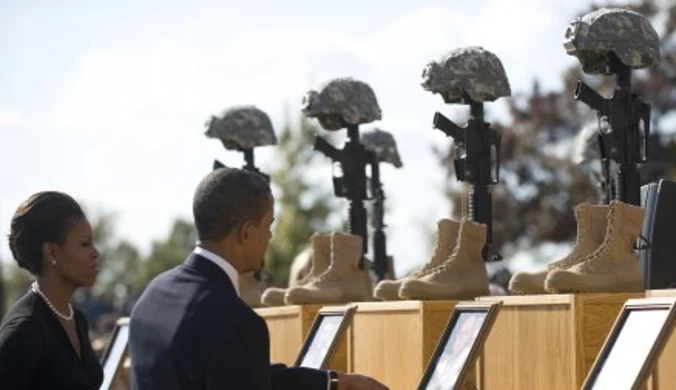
x=37 y=290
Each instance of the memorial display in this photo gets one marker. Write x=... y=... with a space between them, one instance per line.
x=471 y=76
x=327 y=329
x=633 y=345
x=608 y=41
x=114 y=375
x=459 y=346
x=343 y=103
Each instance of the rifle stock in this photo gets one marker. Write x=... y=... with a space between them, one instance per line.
x=449 y=128
x=588 y=96
x=322 y=146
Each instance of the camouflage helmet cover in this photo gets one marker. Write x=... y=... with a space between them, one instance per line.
x=626 y=33
x=342 y=101
x=471 y=70
x=383 y=145
x=242 y=127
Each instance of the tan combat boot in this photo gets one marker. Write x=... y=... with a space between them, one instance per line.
x=591 y=229
x=446 y=237
x=613 y=266
x=462 y=276
x=249 y=290
x=389 y=275
x=342 y=282
x=321 y=253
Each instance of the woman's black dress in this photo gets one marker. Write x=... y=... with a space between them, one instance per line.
x=35 y=352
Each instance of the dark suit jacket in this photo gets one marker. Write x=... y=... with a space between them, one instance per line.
x=190 y=330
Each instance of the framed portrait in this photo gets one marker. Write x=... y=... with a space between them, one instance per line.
x=115 y=376
x=327 y=329
x=635 y=342
x=459 y=345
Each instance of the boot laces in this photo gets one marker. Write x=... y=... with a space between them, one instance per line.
x=429 y=266
x=443 y=267
x=329 y=272
x=607 y=241
x=571 y=259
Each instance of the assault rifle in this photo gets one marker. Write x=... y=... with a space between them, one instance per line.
x=477 y=161
x=625 y=139
x=352 y=184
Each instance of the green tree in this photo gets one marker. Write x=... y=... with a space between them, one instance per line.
x=302 y=208
x=17 y=281
x=168 y=252
x=120 y=272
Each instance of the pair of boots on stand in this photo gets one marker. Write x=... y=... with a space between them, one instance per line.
x=335 y=276
x=455 y=271
x=603 y=259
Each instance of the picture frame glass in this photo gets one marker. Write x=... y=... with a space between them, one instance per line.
x=323 y=338
x=635 y=339
x=456 y=349
x=114 y=357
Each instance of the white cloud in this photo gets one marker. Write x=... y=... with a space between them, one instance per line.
x=160 y=96
x=10 y=116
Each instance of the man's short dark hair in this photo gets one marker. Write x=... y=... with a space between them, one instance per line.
x=226 y=198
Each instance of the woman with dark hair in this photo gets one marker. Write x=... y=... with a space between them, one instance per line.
x=44 y=342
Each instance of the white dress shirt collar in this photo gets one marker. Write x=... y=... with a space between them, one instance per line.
x=222 y=263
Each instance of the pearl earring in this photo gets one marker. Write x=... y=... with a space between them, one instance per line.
x=53 y=262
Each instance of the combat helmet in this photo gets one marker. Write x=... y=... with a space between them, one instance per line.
x=627 y=34
x=242 y=127
x=340 y=102
x=383 y=145
x=469 y=70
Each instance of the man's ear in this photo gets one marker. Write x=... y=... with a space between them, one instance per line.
x=243 y=231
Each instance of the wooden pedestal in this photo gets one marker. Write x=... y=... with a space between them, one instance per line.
x=393 y=341
x=546 y=341
x=664 y=375
x=288 y=326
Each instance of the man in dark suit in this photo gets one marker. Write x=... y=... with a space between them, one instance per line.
x=190 y=330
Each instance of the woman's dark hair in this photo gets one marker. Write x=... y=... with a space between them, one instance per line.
x=43 y=217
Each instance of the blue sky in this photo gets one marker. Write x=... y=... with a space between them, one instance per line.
x=108 y=102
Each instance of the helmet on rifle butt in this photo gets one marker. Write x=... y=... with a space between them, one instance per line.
x=242 y=127
x=341 y=102
x=383 y=145
x=626 y=33
x=469 y=70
